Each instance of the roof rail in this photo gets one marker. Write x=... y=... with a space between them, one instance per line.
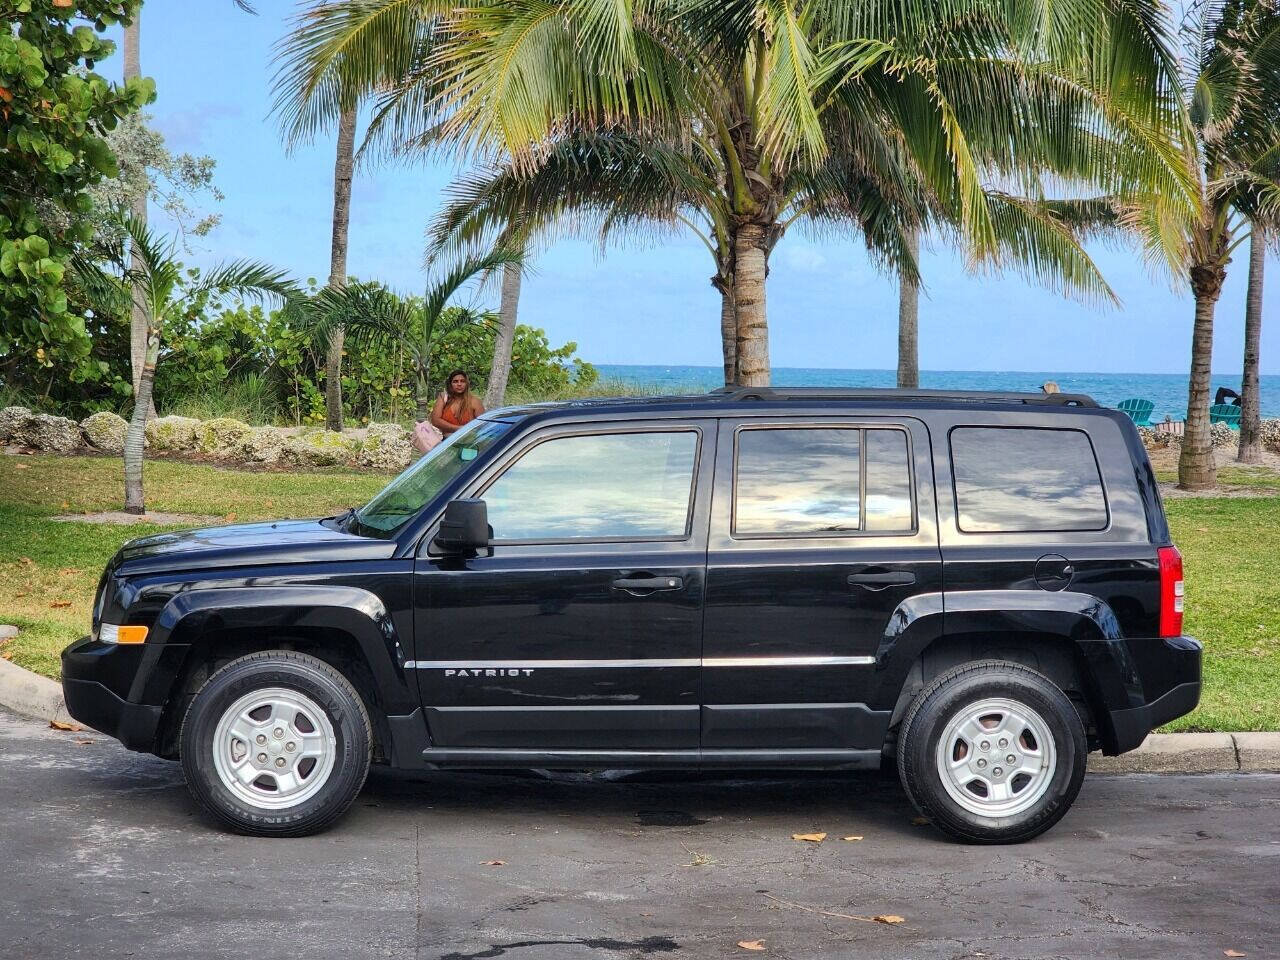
x=735 y=394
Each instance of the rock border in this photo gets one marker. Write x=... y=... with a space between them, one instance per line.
x=40 y=698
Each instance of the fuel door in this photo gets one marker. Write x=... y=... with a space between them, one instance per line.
x=1054 y=572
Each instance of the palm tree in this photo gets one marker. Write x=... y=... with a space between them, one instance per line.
x=150 y=278
x=1230 y=76
x=616 y=184
x=372 y=314
x=1250 y=399
x=964 y=97
x=323 y=100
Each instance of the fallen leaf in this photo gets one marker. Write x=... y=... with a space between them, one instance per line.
x=889 y=918
x=68 y=571
x=230 y=518
x=66 y=505
x=751 y=944
x=494 y=863
x=59 y=725
x=7 y=655
x=809 y=837
x=1233 y=953
x=21 y=466
x=63 y=3
x=59 y=603
x=851 y=838
x=25 y=561
x=919 y=821
x=84 y=742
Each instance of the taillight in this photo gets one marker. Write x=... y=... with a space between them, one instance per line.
x=1170 y=591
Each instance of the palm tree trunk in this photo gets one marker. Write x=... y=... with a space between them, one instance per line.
x=909 y=322
x=135 y=436
x=342 y=171
x=138 y=319
x=1250 y=399
x=750 y=267
x=1196 y=467
x=728 y=327
x=423 y=396
x=500 y=371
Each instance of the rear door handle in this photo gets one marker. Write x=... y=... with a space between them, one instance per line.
x=649 y=584
x=878 y=580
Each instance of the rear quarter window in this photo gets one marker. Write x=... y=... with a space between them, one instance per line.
x=1026 y=480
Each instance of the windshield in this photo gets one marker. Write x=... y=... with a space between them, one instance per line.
x=408 y=493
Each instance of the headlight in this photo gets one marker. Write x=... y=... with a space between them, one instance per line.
x=112 y=633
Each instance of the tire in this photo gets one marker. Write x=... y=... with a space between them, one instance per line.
x=966 y=787
x=276 y=744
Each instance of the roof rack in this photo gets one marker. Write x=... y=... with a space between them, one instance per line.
x=734 y=394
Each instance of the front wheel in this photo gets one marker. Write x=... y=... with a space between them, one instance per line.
x=276 y=744
x=992 y=752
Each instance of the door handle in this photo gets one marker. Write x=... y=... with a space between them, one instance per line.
x=880 y=579
x=649 y=584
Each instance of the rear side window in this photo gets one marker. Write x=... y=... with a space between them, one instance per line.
x=816 y=481
x=621 y=486
x=1026 y=480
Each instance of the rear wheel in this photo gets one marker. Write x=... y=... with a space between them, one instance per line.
x=992 y=752
x=276 y=744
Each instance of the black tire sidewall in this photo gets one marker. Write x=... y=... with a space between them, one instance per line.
x=924 y=784
x=351 y=732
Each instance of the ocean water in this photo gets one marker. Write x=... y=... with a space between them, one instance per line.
x=1168 y=391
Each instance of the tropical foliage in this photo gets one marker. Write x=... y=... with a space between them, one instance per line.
x=54 y=115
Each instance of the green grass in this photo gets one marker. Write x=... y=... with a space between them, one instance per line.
x=1256 y=477
x=49 y=570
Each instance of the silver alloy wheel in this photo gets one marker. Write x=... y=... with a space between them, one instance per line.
x=274 y=748
x=996 y=757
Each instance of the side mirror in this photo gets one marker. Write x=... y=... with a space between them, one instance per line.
x=464 y=528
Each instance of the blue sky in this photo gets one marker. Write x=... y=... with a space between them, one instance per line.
x=828 y=306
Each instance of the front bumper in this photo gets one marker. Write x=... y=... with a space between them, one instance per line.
x=96 y=678
x=1170 y=680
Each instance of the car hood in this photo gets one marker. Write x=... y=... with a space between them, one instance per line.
x=248 y=544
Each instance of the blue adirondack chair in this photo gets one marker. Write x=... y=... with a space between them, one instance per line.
x=1227 y=413
x=1139 y=411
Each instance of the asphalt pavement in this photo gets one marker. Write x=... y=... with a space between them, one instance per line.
x=103 y=854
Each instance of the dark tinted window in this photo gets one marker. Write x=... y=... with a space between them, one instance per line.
x=1026 y=479
x=810 y=481
x=621 y=485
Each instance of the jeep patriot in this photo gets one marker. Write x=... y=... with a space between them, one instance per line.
x=978 y=588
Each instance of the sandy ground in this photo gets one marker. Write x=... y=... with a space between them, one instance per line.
x=119 y=517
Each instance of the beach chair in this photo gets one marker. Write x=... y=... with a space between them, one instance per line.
x=1227 y=413
x=1139 y=411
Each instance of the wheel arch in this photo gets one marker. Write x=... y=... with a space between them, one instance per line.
x=1072 y=638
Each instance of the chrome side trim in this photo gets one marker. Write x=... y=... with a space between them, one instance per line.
x=787 y=661
x=543 y=664
x=682 y=662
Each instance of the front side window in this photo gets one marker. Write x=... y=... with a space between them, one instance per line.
x=628 y=486
x=1025 y=480
x=408 y=493
x=816 y=481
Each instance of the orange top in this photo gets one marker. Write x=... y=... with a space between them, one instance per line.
x=467 y=415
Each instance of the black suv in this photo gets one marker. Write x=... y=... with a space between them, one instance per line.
x=979 y=587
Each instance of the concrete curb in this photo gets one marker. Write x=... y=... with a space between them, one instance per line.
x=40 y=698
x=31 y=695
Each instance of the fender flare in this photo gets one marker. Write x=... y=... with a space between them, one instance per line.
x=359 y=614
x=1081 y=619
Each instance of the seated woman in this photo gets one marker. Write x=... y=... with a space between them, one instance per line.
x=457 y=405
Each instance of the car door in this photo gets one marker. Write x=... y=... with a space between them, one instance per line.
x=820 y=531
x=581 y=631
